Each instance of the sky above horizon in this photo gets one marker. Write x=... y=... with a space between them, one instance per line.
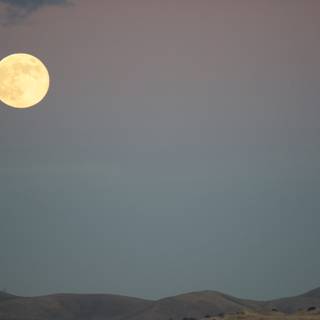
x=178 y=148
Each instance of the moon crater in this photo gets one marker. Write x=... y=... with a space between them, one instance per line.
x=24 y=80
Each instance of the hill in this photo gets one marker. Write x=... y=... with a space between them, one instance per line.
x=297 y=303
x=6 y=296
x=71 y=307
x=194 y=305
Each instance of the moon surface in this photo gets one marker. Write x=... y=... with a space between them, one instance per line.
x=24 y=80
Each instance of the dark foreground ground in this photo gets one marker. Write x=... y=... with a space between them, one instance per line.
x=247 y=315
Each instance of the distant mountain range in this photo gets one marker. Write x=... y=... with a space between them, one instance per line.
x=114 y=307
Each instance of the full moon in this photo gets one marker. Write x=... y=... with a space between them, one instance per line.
x=24 y=80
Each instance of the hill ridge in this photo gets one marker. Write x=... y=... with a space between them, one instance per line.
x=196 y=304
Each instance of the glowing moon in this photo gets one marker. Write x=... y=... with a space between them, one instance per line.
x=24 y=80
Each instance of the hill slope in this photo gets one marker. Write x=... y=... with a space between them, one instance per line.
x=6 y=296
x=195 y=304
x=71 y=307
x=297 y=303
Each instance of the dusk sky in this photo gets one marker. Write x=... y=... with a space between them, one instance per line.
x=178 y=148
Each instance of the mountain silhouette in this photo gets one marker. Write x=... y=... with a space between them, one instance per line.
x=115 y=307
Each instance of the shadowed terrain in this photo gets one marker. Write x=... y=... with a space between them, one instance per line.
x=6 y=296
x=69 y=307
x=294 y=304
x=273 y=315
x=189 y=306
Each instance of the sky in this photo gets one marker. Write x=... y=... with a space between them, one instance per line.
x=178 y=148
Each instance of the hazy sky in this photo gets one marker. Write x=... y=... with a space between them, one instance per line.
x=178 y=148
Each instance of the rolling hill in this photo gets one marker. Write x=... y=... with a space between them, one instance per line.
x=113 y=307
x=6 y=296
x=195 y=304
x=71 y=307
x=297 y=303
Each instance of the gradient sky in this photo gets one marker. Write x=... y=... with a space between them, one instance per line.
x=178 y=148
